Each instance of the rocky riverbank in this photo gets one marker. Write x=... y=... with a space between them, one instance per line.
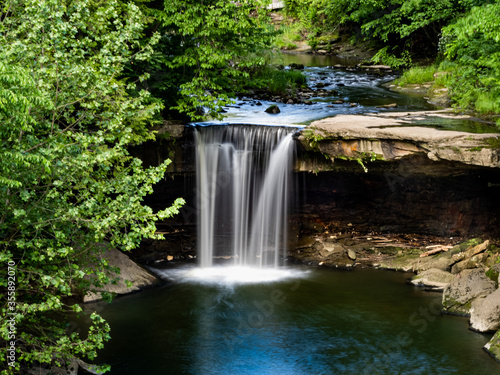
x=466 y=272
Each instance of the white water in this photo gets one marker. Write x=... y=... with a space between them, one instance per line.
x=243 y=178
x=230 y=276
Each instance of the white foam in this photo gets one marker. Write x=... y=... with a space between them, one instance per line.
x=230 y=275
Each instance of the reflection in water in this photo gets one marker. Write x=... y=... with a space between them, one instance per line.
x=320 y=322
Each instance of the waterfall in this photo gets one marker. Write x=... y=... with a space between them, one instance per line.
x=243 y=177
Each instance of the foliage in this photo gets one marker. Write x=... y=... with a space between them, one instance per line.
x=208 y=49
x=288 y=35
x=390 y=58
x=67 y=182
x=472 y=47
x=400 y=27
x=276 y=81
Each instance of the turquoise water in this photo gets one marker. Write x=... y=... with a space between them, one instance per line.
x=316 y=321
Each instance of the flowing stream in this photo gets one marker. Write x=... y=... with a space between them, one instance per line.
x=258 y=317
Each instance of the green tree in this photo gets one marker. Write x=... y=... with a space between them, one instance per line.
x=472 y=48
x=207 y=52
x=67 y=182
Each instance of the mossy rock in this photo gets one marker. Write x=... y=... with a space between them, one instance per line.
x=493 y=346
x=492 y=274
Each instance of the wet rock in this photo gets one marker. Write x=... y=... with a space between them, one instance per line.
x=308 y=102
x=296 y=66
x=493 y=346
x=130 y=272
x=273 y=109
x=464 y=289
x=433 y=277
x=485 y=313
x=338 y=102
x=290 y=101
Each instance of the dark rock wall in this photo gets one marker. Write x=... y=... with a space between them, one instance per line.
x=464 y=205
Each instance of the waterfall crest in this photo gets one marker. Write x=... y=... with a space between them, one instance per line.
x=243 y=178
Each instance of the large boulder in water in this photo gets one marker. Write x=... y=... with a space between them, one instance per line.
x=273 y=109
x=485 y=313
x=131 y=278
x=464 y=289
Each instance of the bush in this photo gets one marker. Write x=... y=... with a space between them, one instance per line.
x=277 y=81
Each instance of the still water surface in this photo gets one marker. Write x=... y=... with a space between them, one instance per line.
x=313 y=321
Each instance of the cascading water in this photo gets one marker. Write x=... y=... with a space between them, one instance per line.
x=243 y=178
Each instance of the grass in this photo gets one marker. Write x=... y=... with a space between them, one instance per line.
x=277 y=81
x=417 y=75
x=290 y=34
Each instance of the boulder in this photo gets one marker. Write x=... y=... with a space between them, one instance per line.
x=485 y=313
x=493 y=346
x=332 y=248
x=130 y=273
x=297 y=66
x=464 y=289
x=433 y=277
x=471 y=252
x=474 y=262
x=440 y=262
x=273 y=109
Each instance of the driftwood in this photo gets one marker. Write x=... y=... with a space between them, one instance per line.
x=434 y=249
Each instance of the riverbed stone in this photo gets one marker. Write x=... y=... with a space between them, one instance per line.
x=351 y=254
x=440 y=262
x=130 y=272
x=493 y=346
x=433 y=277
x=273 y=109
x=470 y=252
x=474 y=262
x=485 y=313
x=330 y=248
x=464 y=289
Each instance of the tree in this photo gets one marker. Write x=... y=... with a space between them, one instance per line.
x=206 y=53
x=471 y=45
x=67 y=181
